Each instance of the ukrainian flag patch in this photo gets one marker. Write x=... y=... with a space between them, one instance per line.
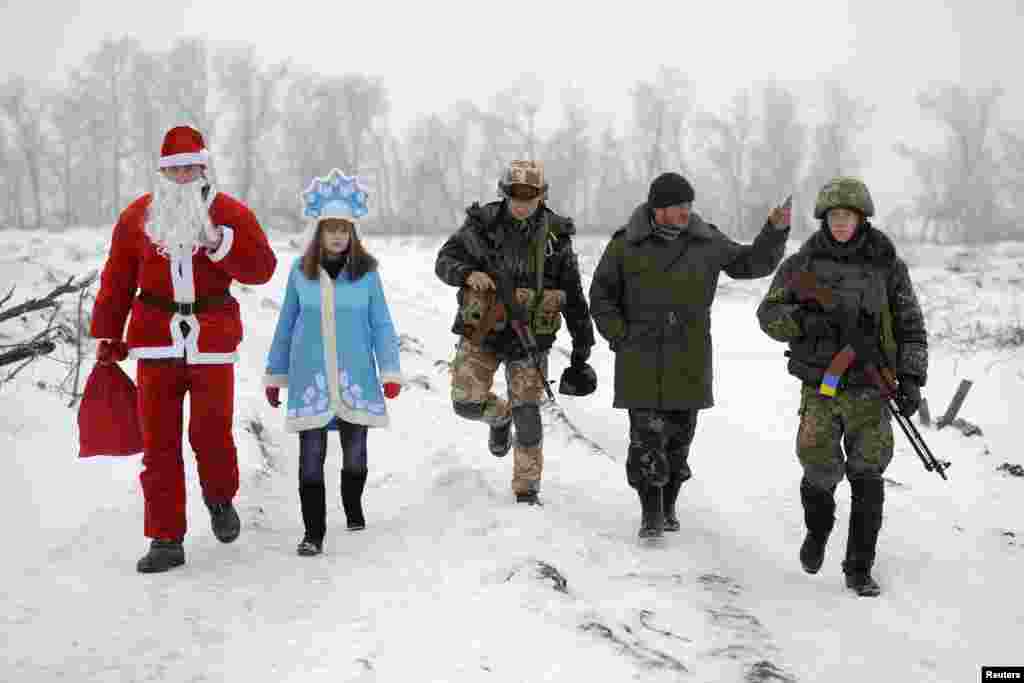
x=829 y=385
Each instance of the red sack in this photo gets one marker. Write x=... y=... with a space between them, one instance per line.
x=108 y=416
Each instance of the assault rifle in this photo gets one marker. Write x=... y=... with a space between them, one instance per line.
x=865 y=346
x=516 y=316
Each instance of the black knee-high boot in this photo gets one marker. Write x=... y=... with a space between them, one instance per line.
x=314 y=511
x=352 y=484
x=653 y=513
x=819 y=517
x=867 y=497
x=670 y=493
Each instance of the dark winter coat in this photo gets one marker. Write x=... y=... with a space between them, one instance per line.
x=489 y=233
x=651 y=299
x=866 y=274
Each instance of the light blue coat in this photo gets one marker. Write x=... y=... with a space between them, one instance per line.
x=331 y=337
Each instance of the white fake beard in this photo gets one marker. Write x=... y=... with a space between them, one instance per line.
x=177 y=216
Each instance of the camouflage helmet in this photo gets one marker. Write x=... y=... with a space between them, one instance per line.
x=846 y=192
x=528 y=173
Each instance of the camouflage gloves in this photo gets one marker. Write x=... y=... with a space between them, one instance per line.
x=908 y=399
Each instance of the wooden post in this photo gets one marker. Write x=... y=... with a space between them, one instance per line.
x=924 y=414
x=954 y=405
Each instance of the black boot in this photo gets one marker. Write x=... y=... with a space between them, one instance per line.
x=224 y=520
x=867 y=497
x=163 y=554
x=653 y=518
x=819 y=517
x=500 y=439
x=352 y=484
x=313 y=498
x=670 y=493
x=530 y=498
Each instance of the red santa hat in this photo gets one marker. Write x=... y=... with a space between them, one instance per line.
x=183 y=146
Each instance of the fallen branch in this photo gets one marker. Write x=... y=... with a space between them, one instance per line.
x=48 y=301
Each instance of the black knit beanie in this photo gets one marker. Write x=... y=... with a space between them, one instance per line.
x=669 y=189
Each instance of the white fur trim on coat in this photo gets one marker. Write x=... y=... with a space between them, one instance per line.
x=225 y=244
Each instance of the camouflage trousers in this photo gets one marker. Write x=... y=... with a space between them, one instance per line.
x=659 y=446
x=472 y=374
x=856 y=421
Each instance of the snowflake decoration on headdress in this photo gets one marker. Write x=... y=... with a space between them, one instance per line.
x=335 y=196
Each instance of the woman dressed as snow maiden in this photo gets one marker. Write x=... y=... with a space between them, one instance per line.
x=333 y=334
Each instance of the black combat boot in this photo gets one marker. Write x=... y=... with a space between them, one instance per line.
x=313 y=498
x=653 y=519
x=530 y=498
x=819 y=517
x=164 y=554
x=352 y=484
x=224 y=520
x=500 y=439
x=867 y=498
x=670 y=493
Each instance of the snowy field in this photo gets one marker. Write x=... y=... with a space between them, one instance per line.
x=452 y=581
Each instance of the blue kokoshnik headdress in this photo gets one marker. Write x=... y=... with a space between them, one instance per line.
x=335 y=196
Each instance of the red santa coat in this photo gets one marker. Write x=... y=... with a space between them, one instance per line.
x=135 y=264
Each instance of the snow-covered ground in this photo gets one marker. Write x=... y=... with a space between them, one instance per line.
x=452 y=581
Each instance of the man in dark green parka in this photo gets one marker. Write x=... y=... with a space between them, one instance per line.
x=651 y=298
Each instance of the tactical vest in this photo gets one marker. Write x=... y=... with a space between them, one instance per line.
x=854 y=285
x=544 y=311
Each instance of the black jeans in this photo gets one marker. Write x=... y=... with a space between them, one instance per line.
x=313 y=451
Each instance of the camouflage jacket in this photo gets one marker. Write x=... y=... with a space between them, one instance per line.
x=490 y=234
x=652 y=301
x=866 y=273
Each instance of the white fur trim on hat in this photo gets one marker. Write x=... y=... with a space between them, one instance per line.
x=186 y=159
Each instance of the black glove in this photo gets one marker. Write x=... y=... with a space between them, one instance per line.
x=579 y=355
x=815 y=325
x=579 y=379
x=908 y=398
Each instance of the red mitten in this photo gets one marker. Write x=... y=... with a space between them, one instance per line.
x=111 y=351
x=274 y=396
x=391 y=389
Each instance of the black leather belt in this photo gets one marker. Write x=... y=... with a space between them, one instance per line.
x=200 y=305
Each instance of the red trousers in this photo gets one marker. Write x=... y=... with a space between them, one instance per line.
x=162 y=388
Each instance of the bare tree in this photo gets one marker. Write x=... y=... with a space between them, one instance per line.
x=517 y=106
x=1012 y=181
x=663 y=110
x=252 y=90
x=778 y=154
x=6 y=179
x=568 y=158
x=189 y=93
x=958 y=199
x=69 y=123
x=25 y=119
x=107 y=76
x=432 y=186
x=616 y=191
x=729 y=148
x=148 y=114
x=834 y=145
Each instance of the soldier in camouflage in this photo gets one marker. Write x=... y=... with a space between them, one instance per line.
x=533 y=246
x=859 y=264
x=651 y=298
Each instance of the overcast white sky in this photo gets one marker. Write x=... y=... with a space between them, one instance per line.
x=431 y=53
